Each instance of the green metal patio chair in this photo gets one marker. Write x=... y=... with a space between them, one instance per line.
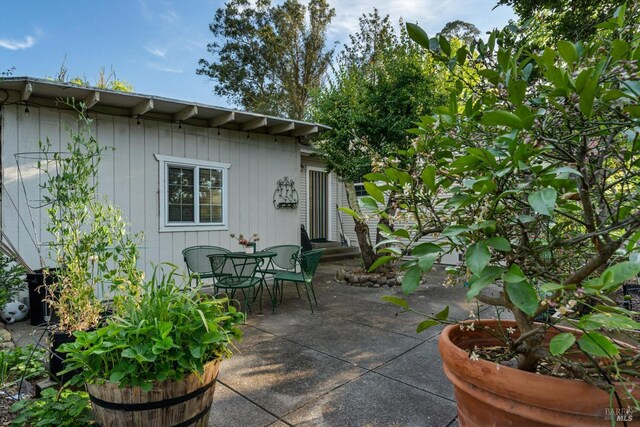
x=285 y=260
x=235 y=271
x=197 y=262
x=308 y=263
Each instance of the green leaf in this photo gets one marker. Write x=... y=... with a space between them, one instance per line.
x=499 y=244
x=411 y=280
x=517 y=91
x=401 y=232
x=117 y=376
x=561 y=343
x=514 y=274
x=564 y=169
x=443 y=315
x=619 y=48
x=501 y=118
x=551 y=287
x=587 y=97
x=523 y=296
x=444 y=45
x=369 y=203
x=426 y=324
x=609 y=321
x=380 y=261
x=400 y=302
x=477 y=257
x=374 y=191
x=418 y=35
x=454 y=230
x=597 y=344
x=489 y=275
x=425 y=262
x=622 y=272
x=349 y=212
x=568 y=52
x=426 y=248
x=543 y=201
x=429 y=177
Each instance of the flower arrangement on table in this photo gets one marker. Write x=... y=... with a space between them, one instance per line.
x=248 y=244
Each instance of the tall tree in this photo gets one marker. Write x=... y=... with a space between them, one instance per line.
x=553 y=20
x=460 y=30
x=268 y=58
x=381 y=86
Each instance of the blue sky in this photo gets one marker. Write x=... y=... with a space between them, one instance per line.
x=156 y=44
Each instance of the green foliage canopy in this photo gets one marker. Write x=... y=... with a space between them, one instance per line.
x=381 y=85
x=268 y=58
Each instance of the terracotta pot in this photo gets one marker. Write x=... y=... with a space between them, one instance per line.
x=488 y=394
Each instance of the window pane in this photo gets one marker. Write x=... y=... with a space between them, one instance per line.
x=205 y=213
x=210 y=192
x=216 y=214
x=180 y=194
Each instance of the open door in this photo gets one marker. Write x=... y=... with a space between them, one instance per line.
x=318 y=205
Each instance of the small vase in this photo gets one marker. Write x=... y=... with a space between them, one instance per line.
x=248 y=249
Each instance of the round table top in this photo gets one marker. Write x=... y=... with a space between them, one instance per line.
x=259 y=254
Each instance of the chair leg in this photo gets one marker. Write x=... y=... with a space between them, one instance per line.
x=306 y=291
x=247 y=309
x=313 y=292
x=274 y=296
x=261 y=292
x=281 y=290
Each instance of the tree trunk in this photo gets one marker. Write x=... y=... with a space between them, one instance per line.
x=390 y=210
x=362 y=228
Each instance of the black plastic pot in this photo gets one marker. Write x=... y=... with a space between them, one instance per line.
x=38 y=291
x=55 y=363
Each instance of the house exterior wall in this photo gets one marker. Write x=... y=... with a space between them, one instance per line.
x=129 y=177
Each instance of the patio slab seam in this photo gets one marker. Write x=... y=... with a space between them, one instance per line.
x=286 y=338
x=255 y=403
x=366 y=371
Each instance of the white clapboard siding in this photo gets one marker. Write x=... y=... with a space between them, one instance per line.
x=129 y=177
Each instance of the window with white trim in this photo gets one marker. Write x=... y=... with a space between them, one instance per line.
x=193 y=194
x=360 y=190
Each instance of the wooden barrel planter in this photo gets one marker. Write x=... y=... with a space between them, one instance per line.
x=169 y=404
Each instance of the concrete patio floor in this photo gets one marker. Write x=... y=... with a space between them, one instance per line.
x=353 y=362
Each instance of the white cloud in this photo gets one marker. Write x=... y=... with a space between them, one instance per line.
x=160 y=53
x=17 y=44
x=166 y=69
x=431 y=15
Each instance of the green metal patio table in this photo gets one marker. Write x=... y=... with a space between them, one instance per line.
x=240 y=270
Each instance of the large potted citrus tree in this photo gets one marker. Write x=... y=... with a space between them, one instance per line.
x=532 y=171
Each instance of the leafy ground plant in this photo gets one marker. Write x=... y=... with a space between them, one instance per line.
x=11 y=279
x=21 y=363
x=533 y=173
x=54 y=409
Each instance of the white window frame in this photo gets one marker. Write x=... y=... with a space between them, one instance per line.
x=165 y=224
x=362 y=184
